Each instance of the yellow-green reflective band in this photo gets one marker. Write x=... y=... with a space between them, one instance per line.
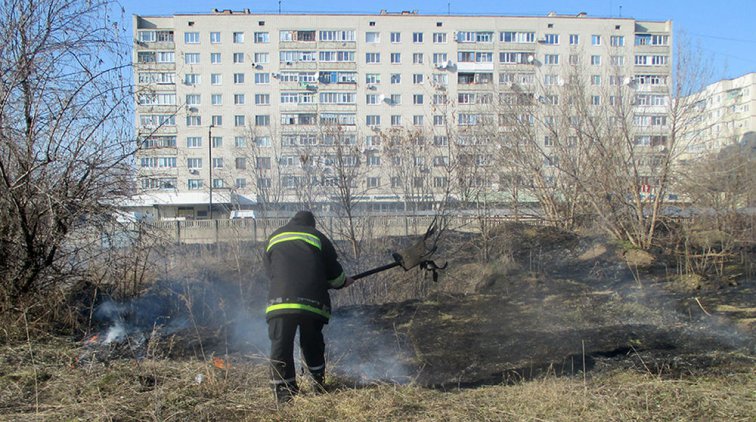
x=283 y=237
x=279 y=306
x=338 y=281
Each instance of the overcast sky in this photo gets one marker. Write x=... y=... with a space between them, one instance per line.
x=723 y=30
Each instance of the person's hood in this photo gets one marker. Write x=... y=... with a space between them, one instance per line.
x=304 y=218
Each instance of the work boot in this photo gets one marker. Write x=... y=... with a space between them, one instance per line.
x=284 y=393
x=319 y=383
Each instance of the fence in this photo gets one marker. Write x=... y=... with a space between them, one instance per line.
x=214 y=231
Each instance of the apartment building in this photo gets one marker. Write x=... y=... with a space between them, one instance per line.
x=235 y=108
x=724 y=114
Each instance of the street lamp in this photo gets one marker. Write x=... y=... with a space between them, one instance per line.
x=210 y=167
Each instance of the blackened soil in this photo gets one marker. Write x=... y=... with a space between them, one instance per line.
x=572 y=320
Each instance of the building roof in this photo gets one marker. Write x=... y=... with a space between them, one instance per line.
x=187 y=198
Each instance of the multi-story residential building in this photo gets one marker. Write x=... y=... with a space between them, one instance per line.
x=285 y=109
x=724 y=114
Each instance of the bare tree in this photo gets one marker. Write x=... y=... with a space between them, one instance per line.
x=64 y=150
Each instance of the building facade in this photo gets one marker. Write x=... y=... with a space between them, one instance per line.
x=277 y=109
x=725 y=114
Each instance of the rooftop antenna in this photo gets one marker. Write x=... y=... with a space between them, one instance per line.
x=448 y=7
x=279 y=7
x=620 y=11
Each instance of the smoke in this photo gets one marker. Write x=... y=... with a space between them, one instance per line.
x=212 y=312
x=360 y=350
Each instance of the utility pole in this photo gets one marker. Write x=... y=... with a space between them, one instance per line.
x=210 y=167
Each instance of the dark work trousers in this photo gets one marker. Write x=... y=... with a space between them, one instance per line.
x=281 y=331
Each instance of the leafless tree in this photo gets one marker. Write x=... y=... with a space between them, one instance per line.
x=64 y=142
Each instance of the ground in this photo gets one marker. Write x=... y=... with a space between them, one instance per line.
x=559 y=327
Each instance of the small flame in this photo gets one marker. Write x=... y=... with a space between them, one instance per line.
x=220 y=363
x=93 y=339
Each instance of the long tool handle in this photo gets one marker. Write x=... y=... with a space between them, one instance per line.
x=375 y=270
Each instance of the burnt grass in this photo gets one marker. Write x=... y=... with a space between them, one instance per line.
x=582 y=306
x=547 y=303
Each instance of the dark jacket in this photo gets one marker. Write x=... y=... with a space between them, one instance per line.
x=302 y=265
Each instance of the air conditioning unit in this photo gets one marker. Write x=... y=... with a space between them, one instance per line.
x=276 y=75
x=193 y=109
x=193 y=171
x=372 y=87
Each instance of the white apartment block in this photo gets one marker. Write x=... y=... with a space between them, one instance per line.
x=251 y=105
x=725 y=114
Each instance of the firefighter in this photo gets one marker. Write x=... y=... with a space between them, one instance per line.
x=302 y=265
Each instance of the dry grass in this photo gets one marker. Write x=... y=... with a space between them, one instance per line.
x=53 y=386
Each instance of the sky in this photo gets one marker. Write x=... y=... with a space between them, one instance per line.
x=723 y=31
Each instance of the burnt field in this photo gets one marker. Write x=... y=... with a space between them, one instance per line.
x=553 y=314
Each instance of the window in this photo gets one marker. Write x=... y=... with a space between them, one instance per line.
x=574 y=59
x=239 y=120
x=373 y=78
x=396 y=78
x=191 y=79
x=596 y=80
x=396 y=58
x=551 y=59
x=193 y=99
x=441 y=140
x=146 y=36
x=215 y=38
x=263 y=141
x=596 y=40
x=417 y=37
x=262 y=120
x=617 y=60
x=261 y=37
x=439 y=37
x=218 y=183
x=340 y=36
x=238 y=58
x=262 y=99
x=217 y=163
x=596 y=100
x=216 y=99
x=194 y=163
x=191 y=38
x=240 y=142
x=215 y=58
x=417 y=58
x=517 y=37
x=396 y=99
x=417 y=78
x=373 y=120
x=194 y=142
x=238 y=78
x=371 y=99
x=194 y=121
x=194 y=184
x=239 y=99
x=216 y=120
x=574 y=39
x=372 y=58
x=417 y=120
x=240 y=183
x=396 y=37
x=238 y=37
x=439 y=120
x=262 y=78
x=440 y=79
x=439 y=58
x=261 y=58
x=372 y=37
x=617 y=41
x=396 y=120
x=191 y=58
x=216 y=79
x=374 y=160
x=417 y=99
x=551 y=39
x=596 y=60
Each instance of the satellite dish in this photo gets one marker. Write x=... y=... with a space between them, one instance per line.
x=381 y=97
x=560 y=82
x=530 y=58
x=627 y=80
